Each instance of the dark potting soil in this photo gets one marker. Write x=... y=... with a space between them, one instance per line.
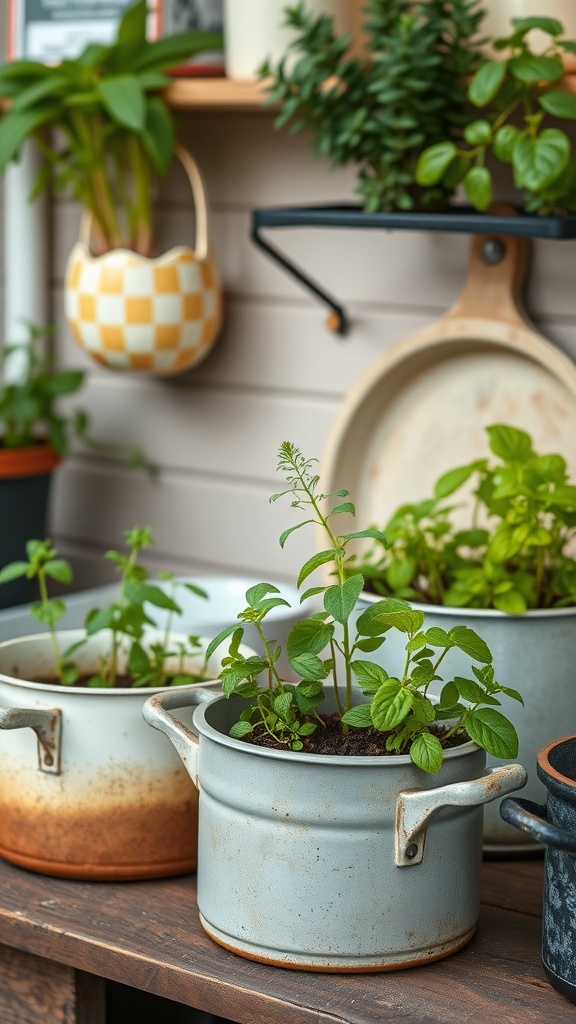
x=354 y=743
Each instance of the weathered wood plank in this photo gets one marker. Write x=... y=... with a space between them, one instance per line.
x=147 y=935
x=34 y=988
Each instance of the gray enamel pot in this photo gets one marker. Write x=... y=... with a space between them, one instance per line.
x=555 y=826
x=534 y=653
x=331 y=863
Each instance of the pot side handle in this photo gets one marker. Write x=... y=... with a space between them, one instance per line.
x=47 y=724
x=531 y=818
x=156 y=713
x=415 y=808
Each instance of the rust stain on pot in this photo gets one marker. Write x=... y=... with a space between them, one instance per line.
x=122 y=826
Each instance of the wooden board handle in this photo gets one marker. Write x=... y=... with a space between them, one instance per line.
x=493 y=290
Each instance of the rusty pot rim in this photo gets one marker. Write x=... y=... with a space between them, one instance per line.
x=95 y=691
x=562 y=785
x=479 y=613
x=34 y=460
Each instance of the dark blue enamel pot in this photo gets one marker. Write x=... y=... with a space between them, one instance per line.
x=555 y=826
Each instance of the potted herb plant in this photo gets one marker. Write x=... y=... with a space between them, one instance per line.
x=521 y=113
x=114 y=135
x=94 y=795
x=380 y=110
x=492 y=549
x=34 y=435
x=325 y=840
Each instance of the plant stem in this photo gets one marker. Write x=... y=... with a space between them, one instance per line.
x=51 y=629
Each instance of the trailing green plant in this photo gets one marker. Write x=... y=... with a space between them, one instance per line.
x=115 y=128
x=523 y=111
x=379 y=112
x=29 y=404
x=512 y=547
x=328 y=646
x=130 y=655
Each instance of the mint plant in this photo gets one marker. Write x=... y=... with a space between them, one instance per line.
x=514 y=553
x=325 y=650
x=127 y=618
x=522 y=110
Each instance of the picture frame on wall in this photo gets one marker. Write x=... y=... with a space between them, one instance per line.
x=206 y=15
x=55 y=30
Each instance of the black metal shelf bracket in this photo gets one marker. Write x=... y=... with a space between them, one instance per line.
x=458 y=219
x=337 y=319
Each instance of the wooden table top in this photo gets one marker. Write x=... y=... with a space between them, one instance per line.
x=147 y=935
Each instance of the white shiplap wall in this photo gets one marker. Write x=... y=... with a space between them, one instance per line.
x=276 y=372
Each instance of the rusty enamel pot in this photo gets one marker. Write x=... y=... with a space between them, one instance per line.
x=86 y=789
x=331 y=863
x=554 y=825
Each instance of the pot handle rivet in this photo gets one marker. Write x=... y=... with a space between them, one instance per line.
x=415 y=808
x=47 y=724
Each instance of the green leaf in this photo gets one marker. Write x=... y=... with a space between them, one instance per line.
x=391 y=705
x=449 y=695
x=486 y=83
x=478 y=133
x=291 y=529
x=59 y=570
x=473 y=645
x=512 y=602
x=426 y=753
x=470 y=690
x=309 y=667
x=559 y=104
x=539 y=162
x=221 y=637
x=13 y=571
x=16 y=127
x=282 y=704
x=391 y=611
x=123 y=99
x=159 y=134
x=551 y=26
x=493 y=732
x=438 y=637
x=255 y=594
x=505 y=139
x=451 y=481
x=369 y=675
x=320 y=558
x=433 y=162
x=358 y=716
x=531 y=68
x=138 y=660
x=310 y=636
x=478 y=187
x=340 y=600
x=345 y=506
x=241 y=729
x=509 y=443
x=368 y=534
x=400 y=573
x=48 y=612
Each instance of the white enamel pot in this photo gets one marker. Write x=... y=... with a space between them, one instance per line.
x=534 y=653
x=331 y=863
x=86 y=789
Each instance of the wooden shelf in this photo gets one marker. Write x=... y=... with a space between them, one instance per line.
x=216 y=94
x=224 y=94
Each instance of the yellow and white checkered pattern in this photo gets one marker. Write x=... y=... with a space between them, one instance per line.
x=158 y=316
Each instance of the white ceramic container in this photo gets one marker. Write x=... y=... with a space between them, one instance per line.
x=94 y=794
x=331 y=863
x=254 y=31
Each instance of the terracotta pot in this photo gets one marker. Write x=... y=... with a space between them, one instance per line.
x=150 y=315
x=331 y=863
x=94 y=794
x=25 y=477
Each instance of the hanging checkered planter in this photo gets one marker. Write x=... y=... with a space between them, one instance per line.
x=158 y=316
